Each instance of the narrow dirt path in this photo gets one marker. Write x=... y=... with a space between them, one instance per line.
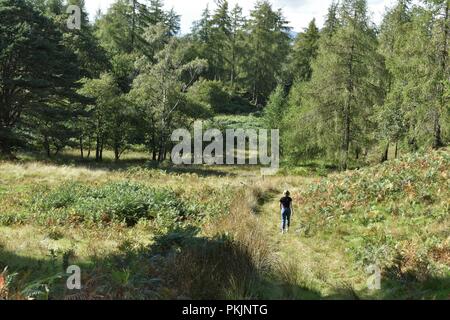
x=314 y=262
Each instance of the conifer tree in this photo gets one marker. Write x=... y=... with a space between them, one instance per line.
x=268 y=44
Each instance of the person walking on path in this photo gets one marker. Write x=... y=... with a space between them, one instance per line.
x=286 y=211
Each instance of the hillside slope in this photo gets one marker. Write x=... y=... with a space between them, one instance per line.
x=394 y=216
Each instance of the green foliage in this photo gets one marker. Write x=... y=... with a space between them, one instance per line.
x=122 y=201
x=300 y=128
x=386 y=212
x=121 y=29
x=111 y=113
x=346 y=85
x=412 y=39
x=304 y=52
x=13 y=218
x=252 y=121
x=159 y=92
x=276 y=109
x=40 y=289
x=219 y=38
x=212 y=94
x=37 y=69
x=265 y=26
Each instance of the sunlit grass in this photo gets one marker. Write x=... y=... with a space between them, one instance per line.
x=323 y=256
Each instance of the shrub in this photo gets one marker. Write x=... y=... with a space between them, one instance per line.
x=211 y=93
x=118 y=201
x=12 y=218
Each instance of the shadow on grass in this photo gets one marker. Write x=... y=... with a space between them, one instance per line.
x=396 y=285
x=178 y=265
x=183 y=265
x=30 y=276
x=198 y=170
x=413 y=284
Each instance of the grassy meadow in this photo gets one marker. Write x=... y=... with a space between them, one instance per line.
x=144 y=232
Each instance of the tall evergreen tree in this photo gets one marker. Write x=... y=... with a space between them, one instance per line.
x=121 y=29
x=35 y=66
x=391 y=116
x=268 y=45
x=331 y=20
x=345 y=86
x=221 y=38
x=440 y=16
x=202 y=37
x=304 y=52
x=276 y=108
x=236 y=43
x=417 y=58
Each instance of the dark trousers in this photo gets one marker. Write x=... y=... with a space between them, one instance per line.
x=285 y=218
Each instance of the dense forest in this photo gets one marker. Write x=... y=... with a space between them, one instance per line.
x=130 y=78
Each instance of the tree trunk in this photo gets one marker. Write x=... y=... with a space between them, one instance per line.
x=89 y=147
x=58 y=149
x=165 y=153
x=81 y=147
x=5 y=147
x=347 y=110
x=161 y=148
x=101 y=149
x=47 y=146
x=385 y=156
x=233 y=64
x=97 y=149
x=437 y=132
x=116 y=152
x=346 y=140
x=160 y=154
x=153 y=146
x=396 y=150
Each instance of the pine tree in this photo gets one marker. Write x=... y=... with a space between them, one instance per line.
x=440 y=10
x=346 y=85
x=332 y=20
x=202 y=36
x=37 y=69
x=268 y=44
x=391 y=116
x=418 y=64
x=172 y=21
x=156 y=13
x=276 y=108
x=236 y=43
x=221 y=38
x=121 y=29
x=304 y=52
